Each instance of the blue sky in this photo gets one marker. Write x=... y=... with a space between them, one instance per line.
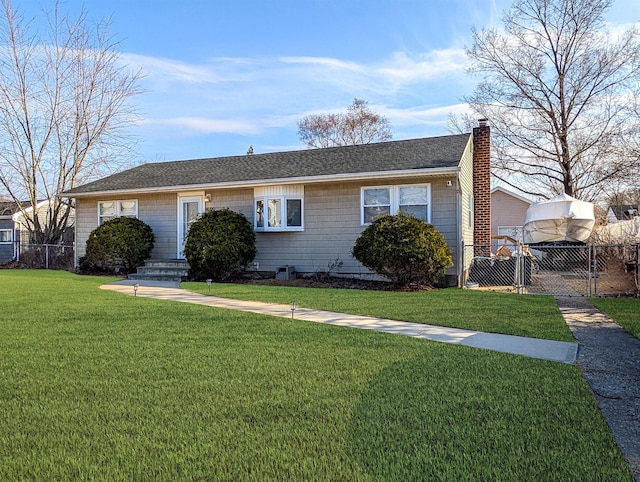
x=224 y=75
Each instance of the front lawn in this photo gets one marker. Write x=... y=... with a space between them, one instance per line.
x=625 y=312
x=99 y=385
x=523 y=315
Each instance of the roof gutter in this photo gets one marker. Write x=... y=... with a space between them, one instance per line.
x=366 y=176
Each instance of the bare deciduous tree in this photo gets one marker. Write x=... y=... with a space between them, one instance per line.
x=64 y=110
x=358 y=125
x=623 y=196
x=558 y=90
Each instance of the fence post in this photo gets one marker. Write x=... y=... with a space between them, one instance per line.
x=518 y=267
x=588 y=290
x=637 y=270
x=595 y=272
x=461 y=267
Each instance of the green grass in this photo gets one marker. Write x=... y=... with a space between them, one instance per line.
x=99 y=385
x=625 y=311
x=522 y=315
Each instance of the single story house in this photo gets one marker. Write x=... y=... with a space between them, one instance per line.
x=307 y=207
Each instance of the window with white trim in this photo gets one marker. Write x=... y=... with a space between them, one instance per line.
x=376 y=201
x=410 y=199
x=113 y=209
x=279 y=208
x=6 y=235
x=279 y=214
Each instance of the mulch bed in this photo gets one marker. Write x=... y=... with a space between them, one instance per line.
x=13 y=265
x=335 y=283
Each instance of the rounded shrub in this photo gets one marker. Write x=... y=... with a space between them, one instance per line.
x=122 y=243
x=404 y=249
x=220 y=244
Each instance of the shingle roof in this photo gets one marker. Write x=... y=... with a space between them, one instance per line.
x=426 y=153
x=623 y=211
x=8 y=208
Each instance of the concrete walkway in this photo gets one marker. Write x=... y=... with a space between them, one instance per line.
x=558 y=351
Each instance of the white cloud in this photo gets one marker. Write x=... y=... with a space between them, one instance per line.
x=615 y=32
x=403 y=68
x=422 y=114
x=201 y=125
x=323 y=62
x=179 y=71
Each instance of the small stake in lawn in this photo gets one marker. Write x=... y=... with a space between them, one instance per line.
x=135 y=289
x=209 y=285
x=293 y=308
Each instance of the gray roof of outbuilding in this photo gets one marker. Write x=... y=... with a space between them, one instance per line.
x=383 y=157
x=7 y=208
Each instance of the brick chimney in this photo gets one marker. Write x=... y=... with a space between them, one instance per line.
x=482 y=183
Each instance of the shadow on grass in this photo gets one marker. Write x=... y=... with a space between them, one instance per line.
x=493 y=417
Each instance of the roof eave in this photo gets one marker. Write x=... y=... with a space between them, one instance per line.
x=364 y=176
x=511 y=193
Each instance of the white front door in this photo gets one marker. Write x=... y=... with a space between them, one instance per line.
x=189 y=208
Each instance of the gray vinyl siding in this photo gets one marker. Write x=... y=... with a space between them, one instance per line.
x=332 y=214
x=466 y=193
x=444 y=216
x=86 y=221
x=159 y=211
x=331 y=226
x=238 y=200
x=6 y=249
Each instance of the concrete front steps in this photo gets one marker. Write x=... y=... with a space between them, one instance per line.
x=162 y=270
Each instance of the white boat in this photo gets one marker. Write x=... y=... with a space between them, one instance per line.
x=559 y=219
x=622 y=232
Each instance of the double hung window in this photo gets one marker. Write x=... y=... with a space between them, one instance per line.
x=410 y=199
x=112 y=209
x=376 y=201
x=6 y=235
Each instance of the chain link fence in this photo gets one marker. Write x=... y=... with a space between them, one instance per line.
x=559 y=270
x=47 y=256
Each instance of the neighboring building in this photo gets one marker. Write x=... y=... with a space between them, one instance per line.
x=7 y=232
x=308 y=207
x=508 y=211
x=622 y=212
x=14 y=234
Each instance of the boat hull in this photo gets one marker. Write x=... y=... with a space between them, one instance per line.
x=557 y=230
x=560 y=219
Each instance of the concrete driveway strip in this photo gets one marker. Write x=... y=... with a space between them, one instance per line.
x=609 y=359
x=557 y=351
